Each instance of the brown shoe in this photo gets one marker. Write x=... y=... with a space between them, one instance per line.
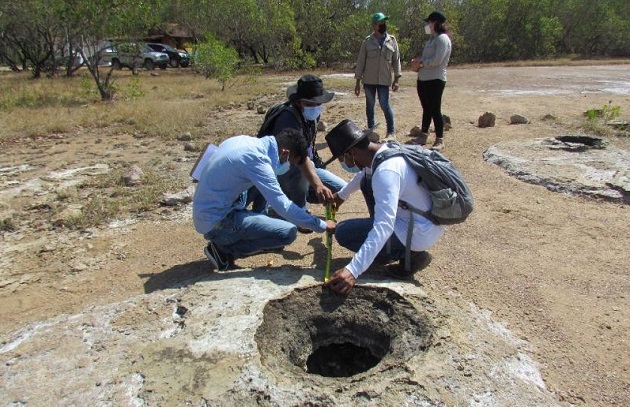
x=438 y=144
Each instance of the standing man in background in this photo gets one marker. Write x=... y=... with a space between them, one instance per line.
x=378 y=56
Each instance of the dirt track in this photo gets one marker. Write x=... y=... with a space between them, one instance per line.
x=553 y=268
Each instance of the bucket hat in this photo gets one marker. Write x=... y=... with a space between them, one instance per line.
x=436 y=16
x=343 y=137
x=376 y=17
x=311 y=89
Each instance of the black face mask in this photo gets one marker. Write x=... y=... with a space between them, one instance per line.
x=382 y=28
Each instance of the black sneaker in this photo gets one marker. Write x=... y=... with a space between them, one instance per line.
x=419 y=261
x=221 y=261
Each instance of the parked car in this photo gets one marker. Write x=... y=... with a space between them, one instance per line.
x=177 y=57
x=132 y=56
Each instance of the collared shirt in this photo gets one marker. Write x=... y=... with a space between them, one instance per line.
x=239 y=163
x=375 y=62
x=394 y=180
x=435 y=57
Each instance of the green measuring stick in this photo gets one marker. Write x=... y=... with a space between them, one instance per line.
x=330 y=215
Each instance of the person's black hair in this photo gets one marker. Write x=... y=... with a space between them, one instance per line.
x=440 y=28
x=363 y=144
x=293 y=140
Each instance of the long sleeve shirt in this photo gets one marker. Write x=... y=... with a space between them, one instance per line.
x=394 y=180
x=239 y=163
x=376 y=62
x=435 y=57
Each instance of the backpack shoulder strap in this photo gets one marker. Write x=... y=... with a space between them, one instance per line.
x=272 y=115
x=394 y=150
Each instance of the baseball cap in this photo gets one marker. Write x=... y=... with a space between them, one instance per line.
x=376 y=17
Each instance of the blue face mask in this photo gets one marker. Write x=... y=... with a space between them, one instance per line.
x=351 y=170
x=283 y=168
x=311 y=113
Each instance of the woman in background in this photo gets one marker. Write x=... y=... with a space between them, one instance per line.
x=431 y=68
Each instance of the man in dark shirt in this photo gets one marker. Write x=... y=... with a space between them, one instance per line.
x=307 y=182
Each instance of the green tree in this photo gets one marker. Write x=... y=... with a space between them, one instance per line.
x=28 y=35
x=214 y=59
x=97 y=20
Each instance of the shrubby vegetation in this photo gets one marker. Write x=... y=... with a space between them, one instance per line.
x=48 y=36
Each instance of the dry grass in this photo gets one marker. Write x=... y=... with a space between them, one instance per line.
x=159 y=103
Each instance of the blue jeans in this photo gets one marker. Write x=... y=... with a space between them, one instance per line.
x=299 y=191
x=352 y=233
x=383 y=100
x=243 y=233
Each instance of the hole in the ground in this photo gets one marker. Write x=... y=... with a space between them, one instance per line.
x=317 y=332
x=580 y=143
x=341 y=360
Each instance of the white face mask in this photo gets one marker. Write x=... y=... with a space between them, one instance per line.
x=427 y=29
x=311 y=113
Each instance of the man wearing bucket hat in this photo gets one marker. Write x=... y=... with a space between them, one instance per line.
x=306 y=182
x=380 y=237
x=378 y=56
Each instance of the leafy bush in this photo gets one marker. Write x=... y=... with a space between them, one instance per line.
x=597 y=118
x=214 y=59
x=606 y=112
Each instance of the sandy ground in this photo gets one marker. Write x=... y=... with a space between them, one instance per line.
x=553 y=268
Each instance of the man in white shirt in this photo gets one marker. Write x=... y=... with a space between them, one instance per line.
x=380 y=237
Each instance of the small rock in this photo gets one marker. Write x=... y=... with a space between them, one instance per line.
x=133 y=176
x=261 y=110
x=518 y=119
x=182 y=197
x=185 y=136
x=78 y=267
x=322 y=125
x=190 y=147
x=487 y=119
x=447 y=122
x=250 y=105
x=71 y=212
x=415 y=131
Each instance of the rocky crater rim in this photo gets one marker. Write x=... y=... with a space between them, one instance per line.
x=313 y=331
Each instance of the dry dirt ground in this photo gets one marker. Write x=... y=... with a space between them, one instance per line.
x=554 y=268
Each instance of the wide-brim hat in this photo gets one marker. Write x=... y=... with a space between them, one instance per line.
x=436 y=16
x=311 y=89
x=343 y=137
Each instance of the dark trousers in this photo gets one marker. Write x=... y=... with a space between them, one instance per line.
x=430 y=94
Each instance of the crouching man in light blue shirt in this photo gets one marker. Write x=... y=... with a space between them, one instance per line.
x=220 y=201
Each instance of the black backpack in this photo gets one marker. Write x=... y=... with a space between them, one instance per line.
x=451 y=199
x=272 y=114
x=268 y=122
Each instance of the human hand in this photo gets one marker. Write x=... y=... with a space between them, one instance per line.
x=331 y=226
x=337 y=201
x=341 y=282
x=416 y=65
x=357 y=89
x=324 y=194
x=395 y=86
